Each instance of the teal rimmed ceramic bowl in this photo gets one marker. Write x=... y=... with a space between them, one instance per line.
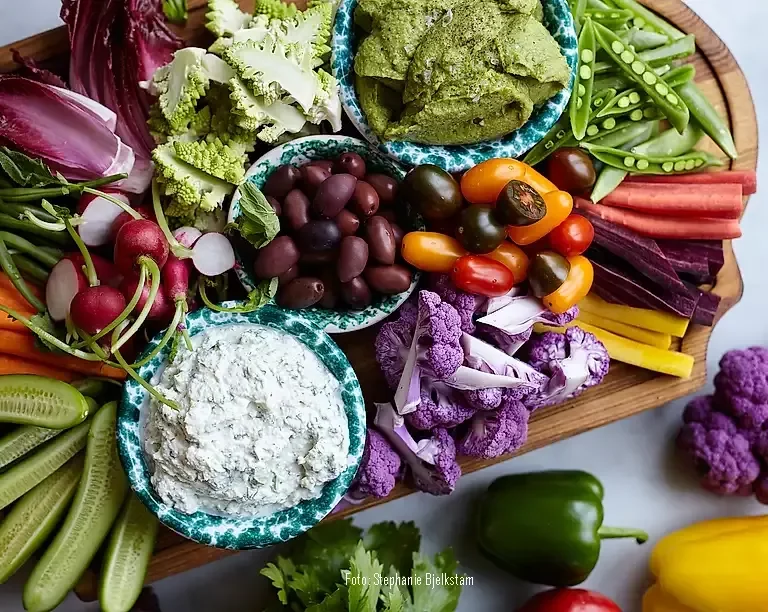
x=242 y=533
x=557 y=19
x=299 y=152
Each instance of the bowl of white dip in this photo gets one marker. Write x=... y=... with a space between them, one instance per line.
x=268 y=433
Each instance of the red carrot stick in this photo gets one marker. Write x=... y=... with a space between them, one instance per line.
x=709 y=201
x=746 y=178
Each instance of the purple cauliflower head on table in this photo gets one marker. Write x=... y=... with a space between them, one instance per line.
x=493 y=433
x=379 y=469
x=741 y=386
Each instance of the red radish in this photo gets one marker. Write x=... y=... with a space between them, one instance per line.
x=160 y=304
x=93 y=308
x=106 y=271
x=187 y=236
x=67 y=279
x=175 y=277
x=669 y=200
x=136 y=239
x=124 y=217
x=213 y=254
x=98 y=215
x=746 y=178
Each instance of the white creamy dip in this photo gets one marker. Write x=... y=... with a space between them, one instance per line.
x=260 y=427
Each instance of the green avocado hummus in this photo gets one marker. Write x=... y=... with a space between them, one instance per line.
x=451 y=72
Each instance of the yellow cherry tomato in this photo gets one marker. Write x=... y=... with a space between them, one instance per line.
x=431 y=251
x=483 y=183
x=575 y=287
x=559 y=206
x=514 y=258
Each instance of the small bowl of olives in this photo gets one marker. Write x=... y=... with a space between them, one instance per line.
x=337 y=256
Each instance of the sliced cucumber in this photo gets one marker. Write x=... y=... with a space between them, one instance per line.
x=99 y=388
x=32 y=519
x=30 y=472
x=20 y=441
x=26 y=399
x=127 y=558
x=98 y=500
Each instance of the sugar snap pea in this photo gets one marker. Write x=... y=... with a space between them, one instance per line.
x=581 y=100
x=598 y=5
x=622 y=103
x=668 y=102
x=613 y=80
x=642 y=40
x=648 y=19
x=609 y=15
x=578 y=8
x=680 y=75
x=602 y=97
x=660 y=56
x=645 y=164
x=708 y=117
x=623 y=133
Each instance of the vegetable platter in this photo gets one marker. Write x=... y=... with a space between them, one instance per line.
x=624 y=392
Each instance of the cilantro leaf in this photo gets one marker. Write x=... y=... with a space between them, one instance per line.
x=394 y=544
x=25 y=171
x=429 y=596
x=257 y=222
x=363 y=580
x=44 y=321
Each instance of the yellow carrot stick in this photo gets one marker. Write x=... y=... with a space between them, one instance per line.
x=663 y=322
x=644 y=336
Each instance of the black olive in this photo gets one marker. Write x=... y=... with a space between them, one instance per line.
x=478 y=230
x=432 y=191
x=519 y=204
x=547 y=272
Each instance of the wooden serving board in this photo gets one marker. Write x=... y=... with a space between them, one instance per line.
x=624 y=392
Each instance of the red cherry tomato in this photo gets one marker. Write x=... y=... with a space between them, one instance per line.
x=573 y=236
x=482 y=276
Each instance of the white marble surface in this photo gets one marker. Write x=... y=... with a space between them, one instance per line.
x=646 y=487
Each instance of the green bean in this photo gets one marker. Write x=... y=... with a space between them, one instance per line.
x=642 y=40
x=671 y=143
x=27 y=194
x=16 y=225
x=581 y=100
x=646 y=164
x=666 y=99
x=30 y=269
x=9 y=267
x=622 y=133
x=648 y=19
x=708 y=117
x=578 y=7
x=18 y=210
x=26 y=247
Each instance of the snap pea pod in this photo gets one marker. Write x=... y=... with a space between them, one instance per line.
x=668 y=102
x=581 y=100
x=622 y=103
x=647 y=19
x=646 y=164
x=615 y=80
x=578 y=8
x=598 y=128
x=623 y=133
x=642 y=40
x=680 y=75
x=708 y=117
x=598 y=5
x=679 y=49
x=603 y=15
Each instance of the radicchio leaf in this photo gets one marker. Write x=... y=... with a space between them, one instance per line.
x=30 y=69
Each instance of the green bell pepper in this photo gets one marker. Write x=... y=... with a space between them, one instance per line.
x=546 y=527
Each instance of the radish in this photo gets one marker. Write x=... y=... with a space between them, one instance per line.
x=187 y=236
x=67 y=279
x=213 y=254
x=98 y=215
x=124 y=217
x=160 y=306
x=94 y=308
x=139 y=239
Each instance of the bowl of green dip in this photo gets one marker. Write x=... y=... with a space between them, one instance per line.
x=454 y=82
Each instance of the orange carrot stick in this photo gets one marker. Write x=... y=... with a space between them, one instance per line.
x=7 y=285
x=11 y=324
x=10 y=364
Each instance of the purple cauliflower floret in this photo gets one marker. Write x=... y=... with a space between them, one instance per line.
x=491 y=434
x=466 y=304
x=440 y=406
x=431 y=461
x=741 y=386
x=393 y=343
x=379 y=469
x=547 y=348
x=559 y=320
x=702 y=410
x=484 y=399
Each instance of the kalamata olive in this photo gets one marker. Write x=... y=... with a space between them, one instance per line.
x=318 y=259
x=301 y=292
x=348 y=222
x=432 y=191
x=546 y=272
x=384 y=185
x=571 y=170
x=388 y=279
x=312 y=176
x=388 y=214
x=287 y=276
x=330 y=296
x=295 y=210
x=275 y=258
x=353 y=257
x=478 y=230
x=365 y=200
x=333 y=195
x=319 y=235
x=381 y=240
x=281 y=181
x=275 y=205
x=398 y=233
x=519 y=204
x=326 y=164
x=356 y=293
x=350 y=163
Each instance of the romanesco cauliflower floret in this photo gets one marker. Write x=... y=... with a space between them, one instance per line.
x=313 y=27
x=187 y=185
x=253 y=113
x=220 y=45
x=275 y=9
x=327 y=106
x=224 y=161
x=180 y=85
x=224 y=17
x=198 y=126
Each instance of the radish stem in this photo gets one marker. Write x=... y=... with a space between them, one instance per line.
x=46 y=225
x=88 y=268
x=9 y=267
x=94 y=346
x=154 y=275
x=115 y=201
x=178 y=249
x=169 y=333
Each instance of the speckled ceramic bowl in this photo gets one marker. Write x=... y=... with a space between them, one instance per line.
x=557 y=18
x=242 y=533
x=302 y=151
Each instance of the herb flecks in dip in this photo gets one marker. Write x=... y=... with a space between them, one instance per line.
x=451 y=72
x=260 y=427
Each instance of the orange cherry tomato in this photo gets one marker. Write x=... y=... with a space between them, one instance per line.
x=573 y=236
x=483 y=183
x=431 y=252
x=514 y=258
x=482 y=276
x=575 y=287
x=559 y=206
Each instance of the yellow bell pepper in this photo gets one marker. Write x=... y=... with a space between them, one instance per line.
x=714 y=566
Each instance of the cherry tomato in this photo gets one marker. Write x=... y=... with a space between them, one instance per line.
x=574 y=289
x=431 y=252
x=559 y=206
x=483 y=183
x=432 y=191
x=571 y=170
x=514 y=258
x=573 y=236
x=482 y=276
x=479 y=231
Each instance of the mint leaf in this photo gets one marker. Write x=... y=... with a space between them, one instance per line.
x=363 y=580
x=25 y=171
x=257 y=223
x=394 y=544
x=428 y=596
